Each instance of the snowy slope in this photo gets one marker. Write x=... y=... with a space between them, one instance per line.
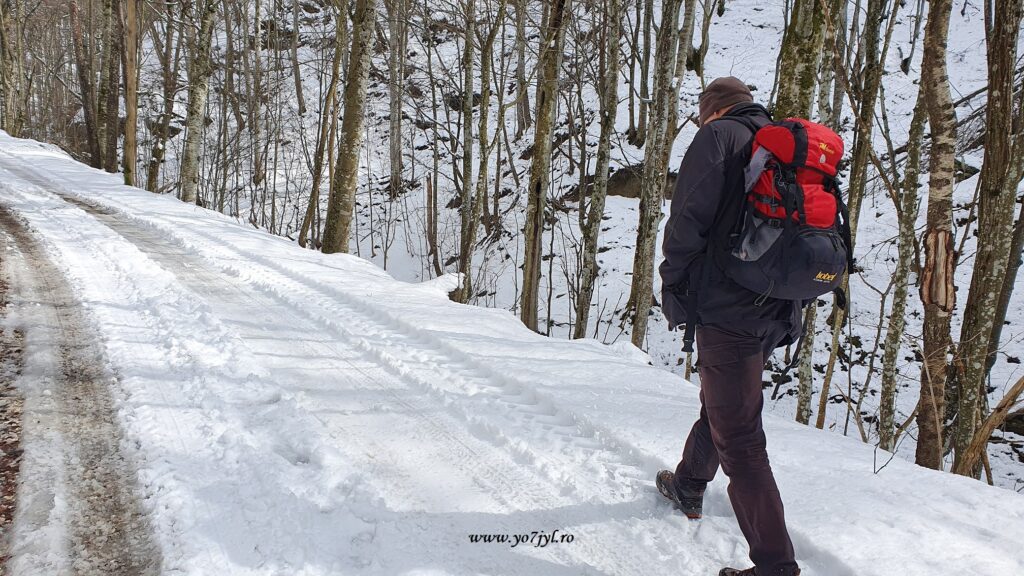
x=744 y=41
x=296 y=413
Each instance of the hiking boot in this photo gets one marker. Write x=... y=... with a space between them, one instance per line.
x=748 y=572
x=691 y=504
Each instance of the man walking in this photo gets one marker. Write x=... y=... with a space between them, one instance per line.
x=736 y=331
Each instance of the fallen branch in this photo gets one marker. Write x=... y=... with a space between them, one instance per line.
x=966 y=462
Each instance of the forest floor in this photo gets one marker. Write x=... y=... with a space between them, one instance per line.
x=203 y=398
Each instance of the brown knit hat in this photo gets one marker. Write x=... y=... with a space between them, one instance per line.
x=722 y=93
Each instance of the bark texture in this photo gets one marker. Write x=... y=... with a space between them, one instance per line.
x=341 y=205
x=540 y=169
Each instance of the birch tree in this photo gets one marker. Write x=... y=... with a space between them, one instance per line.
x=199 y=70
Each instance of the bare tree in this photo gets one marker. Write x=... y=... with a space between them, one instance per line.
x=199 y=70
x=86 y=84
x=553 y=38
x=997 y=197
x=130 y=60
x=523 y=120
x=798 y=62
x=341 y=204
x=937 y=283
x=609 y=103
x=12 y=68
x=169 y=57
x=328 y=113
x=478 y=198
x=652 y=184
x=801 y=51
x=397 y=30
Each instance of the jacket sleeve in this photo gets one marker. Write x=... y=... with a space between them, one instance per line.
x=695 y=200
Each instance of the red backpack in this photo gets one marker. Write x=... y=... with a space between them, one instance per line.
x=793 y=240
x=791 y=236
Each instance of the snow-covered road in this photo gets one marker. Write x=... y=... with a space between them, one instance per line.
x=287 y=412
x=76 y=469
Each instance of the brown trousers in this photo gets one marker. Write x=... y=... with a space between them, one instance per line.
x=729 y=432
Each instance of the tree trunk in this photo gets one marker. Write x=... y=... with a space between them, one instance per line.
x=523 y=120
x=341 y=205
x=609 y=102
x=652 y=184
x=86 y=84
x=131 y=89
x=906 y=210
x=467 y=228
x=1012 y=268
x=172 y=50
x=937 y=288
x=548 y=65
x=13 y=82
x=397 y=14
x=995 y=223
x=800 y=55
x=685 y=57
x=199 y=72
x=479 y=197
x=103 y=100
x=328 y=112
x=869 y=78
x=113 y=116
x=296 y=71
x=801 y=52
x=640 y=137
x=826 y=75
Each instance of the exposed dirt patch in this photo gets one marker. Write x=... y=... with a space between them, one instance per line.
x=11 y=405
x=107 y=530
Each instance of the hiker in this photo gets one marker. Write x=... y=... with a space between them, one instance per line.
x=736 y=331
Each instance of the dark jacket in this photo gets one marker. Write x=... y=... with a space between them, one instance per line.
x=707 y=203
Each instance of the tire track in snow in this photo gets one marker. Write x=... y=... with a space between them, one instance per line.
x=484 y=395
x=502 y=476
x=716 y=533
x=109 y=533
x=378 y=333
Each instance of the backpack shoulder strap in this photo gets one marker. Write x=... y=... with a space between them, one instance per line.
x=694 y=292
x=749 y=123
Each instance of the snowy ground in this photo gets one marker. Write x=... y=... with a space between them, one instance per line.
x=744 y=41
x=287 y=412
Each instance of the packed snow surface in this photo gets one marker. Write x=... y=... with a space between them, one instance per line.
x=289 y=412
